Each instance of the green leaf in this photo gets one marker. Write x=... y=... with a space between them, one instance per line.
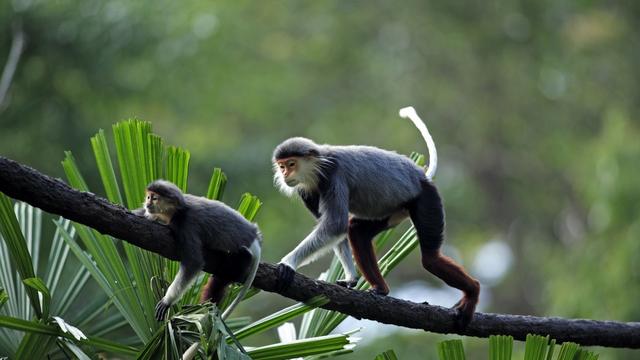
x=583 y=354
x=153 y=346
x=303 y=347
x=110 y=270
x=568 y=351
x=39 y=285
x=217 y=184
x=73 y=349
x=178 y=166
x=538 y=347
x=451 y=350
x=35 y=346
x=155 y=156
x=387 y=355
x=105 y=167
x=500 y=347
x=39 y=328
x=106 y=267
x=17 y=248
x=131 y=147
x=249 y=206
x=73 y=173
x=4 y=297
x=280 y=317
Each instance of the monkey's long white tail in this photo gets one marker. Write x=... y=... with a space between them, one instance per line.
x=410 y=113
x=255 y=251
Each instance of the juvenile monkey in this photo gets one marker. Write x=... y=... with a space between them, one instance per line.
x=203 y=229
x=359 y=191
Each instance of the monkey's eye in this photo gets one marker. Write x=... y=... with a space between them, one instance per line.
x=281 y=167
x=291 y=164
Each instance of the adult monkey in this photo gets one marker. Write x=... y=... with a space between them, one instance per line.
x=360 y=191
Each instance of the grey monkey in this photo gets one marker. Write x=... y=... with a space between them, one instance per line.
x=358 y=191
x=202 y=226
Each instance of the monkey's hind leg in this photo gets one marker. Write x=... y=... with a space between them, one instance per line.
x=427 y=216
x=214 y=290
x=361 y=233
x=186 y=274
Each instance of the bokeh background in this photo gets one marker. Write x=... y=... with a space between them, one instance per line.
x=533 y=106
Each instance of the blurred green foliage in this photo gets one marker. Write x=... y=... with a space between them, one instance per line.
x=533 y=106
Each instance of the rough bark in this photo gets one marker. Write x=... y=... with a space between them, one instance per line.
x=54 y=196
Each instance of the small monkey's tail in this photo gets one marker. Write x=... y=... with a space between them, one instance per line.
x=410 y=113
x=255 y=252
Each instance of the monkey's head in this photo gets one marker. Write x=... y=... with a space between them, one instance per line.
x=297 y=162
x=163 y=199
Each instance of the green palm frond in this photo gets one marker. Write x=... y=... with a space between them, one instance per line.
x=387 y=355
x=451 y=350
x=64 y=281
x=16 y=256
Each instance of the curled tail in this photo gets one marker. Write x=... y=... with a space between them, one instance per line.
x=255 y=251
x=410 y=113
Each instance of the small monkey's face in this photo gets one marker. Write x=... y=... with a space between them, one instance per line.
x=158 y=208
x=289 y=169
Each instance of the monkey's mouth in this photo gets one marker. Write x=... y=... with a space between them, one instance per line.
x=151 y=210
x=291 y=182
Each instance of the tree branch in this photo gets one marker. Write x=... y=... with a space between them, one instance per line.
x=54 y=196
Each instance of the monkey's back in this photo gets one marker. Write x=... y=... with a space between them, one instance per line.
x=219 y=226
x=380 y=181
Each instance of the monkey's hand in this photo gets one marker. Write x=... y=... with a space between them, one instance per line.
x=285 y=276
x=348 y=283
x=161 y=309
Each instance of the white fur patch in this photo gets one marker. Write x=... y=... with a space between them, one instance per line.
x=307 y=175
x=278 y=181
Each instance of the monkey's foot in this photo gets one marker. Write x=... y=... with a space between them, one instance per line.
x=347 y=283
x=464 y=312
x=285 y=277
x=161 y=310
x=378 y=291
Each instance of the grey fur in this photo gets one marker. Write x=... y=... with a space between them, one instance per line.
x=364 y=181
x=200 y=225
x=343 y=252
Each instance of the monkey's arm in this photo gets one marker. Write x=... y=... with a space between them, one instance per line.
x=191 y=263
x=342 y=249
x=139 y=212
x=343 y=252
x=331 y=228
x=180 y=284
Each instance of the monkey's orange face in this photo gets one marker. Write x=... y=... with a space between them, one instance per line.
x=289 y=169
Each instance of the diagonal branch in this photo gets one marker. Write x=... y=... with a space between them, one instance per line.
x=54 y=196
